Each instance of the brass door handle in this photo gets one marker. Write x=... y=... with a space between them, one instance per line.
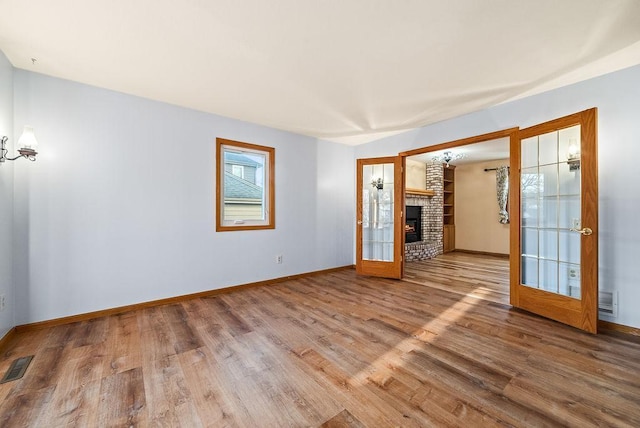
x=586 y=231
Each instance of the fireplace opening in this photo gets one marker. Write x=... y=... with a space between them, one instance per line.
x=413 y=224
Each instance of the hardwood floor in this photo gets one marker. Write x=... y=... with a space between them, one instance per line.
x=332 y=350
x=475 y=275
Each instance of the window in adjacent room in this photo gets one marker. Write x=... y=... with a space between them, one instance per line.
x=245 y=186
x=237 y=170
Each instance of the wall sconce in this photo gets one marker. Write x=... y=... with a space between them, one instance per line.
x=27 y=143
x=447 y=157
x=573 y=155
x=377 y=183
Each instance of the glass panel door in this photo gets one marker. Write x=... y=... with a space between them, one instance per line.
x=554 y=260
x=379 y=211
x=550 y=211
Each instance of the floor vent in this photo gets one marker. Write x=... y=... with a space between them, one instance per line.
x=17 y=369
x=608 y=303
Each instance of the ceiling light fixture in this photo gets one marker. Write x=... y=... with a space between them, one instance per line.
x=447 y=157
x=27 y=143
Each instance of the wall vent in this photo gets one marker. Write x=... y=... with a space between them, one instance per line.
x=17 y=369
x=608 y=303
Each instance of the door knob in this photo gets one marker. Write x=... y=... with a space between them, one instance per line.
x=359 y=222
x=586 y=231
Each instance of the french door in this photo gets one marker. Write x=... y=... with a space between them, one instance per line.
x=554 y=207
x=379 y=227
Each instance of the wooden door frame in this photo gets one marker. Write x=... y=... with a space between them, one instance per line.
x=589 y=215
x=513 y=135
x=379 y=268
x=509 y=132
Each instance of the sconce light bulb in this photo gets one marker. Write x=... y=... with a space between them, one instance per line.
x=28 y=139
x=573 y=149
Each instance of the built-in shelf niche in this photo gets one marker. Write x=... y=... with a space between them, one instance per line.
x=448 y=195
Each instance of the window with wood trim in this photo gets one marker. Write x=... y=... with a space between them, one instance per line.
x=245 y=186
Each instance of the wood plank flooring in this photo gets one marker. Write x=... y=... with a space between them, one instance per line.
x=333 y=350
x=474 y=275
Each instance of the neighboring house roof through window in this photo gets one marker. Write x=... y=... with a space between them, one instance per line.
x=239 y=159
x=237 y=188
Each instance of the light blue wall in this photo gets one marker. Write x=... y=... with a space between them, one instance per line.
x=617 y=97
x=6 y=197
x=119 y=207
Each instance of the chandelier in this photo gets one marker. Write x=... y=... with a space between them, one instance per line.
x=447 y=157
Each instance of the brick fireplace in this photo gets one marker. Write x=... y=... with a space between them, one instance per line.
x=430 y=243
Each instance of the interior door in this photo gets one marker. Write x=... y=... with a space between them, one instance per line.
x=554 y=254
x=380 y=206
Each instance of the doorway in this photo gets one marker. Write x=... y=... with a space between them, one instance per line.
x=553 y=235
x=463 y=195
x=463 y=217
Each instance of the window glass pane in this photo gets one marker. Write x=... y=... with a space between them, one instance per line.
x=244 y=186
x=550 y=206
x=548 y=212
x=529 y=154
x=244 y=194
x=548 y=244
x=569 y=246
x=377 y=212
x=569 y=180
x=548 y=275
x=388 y=174
x=549 y=179
x=569 y=212
x=548 y=148
x=530 y=271
x=530 y=211
x=237 y=170
x=530 y=241
x=531 y=183
x=569 y=278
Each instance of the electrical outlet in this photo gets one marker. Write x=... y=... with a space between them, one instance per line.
x=573 y=273
x=1 y=302
x=279 y=259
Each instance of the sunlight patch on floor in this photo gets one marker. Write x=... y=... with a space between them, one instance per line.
x=427 y=333
x=479 y=292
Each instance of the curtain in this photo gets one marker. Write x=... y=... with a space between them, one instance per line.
x=502 y=190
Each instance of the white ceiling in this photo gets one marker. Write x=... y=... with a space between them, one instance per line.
x=345 y=70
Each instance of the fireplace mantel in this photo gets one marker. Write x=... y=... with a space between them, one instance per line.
x=419 y=192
